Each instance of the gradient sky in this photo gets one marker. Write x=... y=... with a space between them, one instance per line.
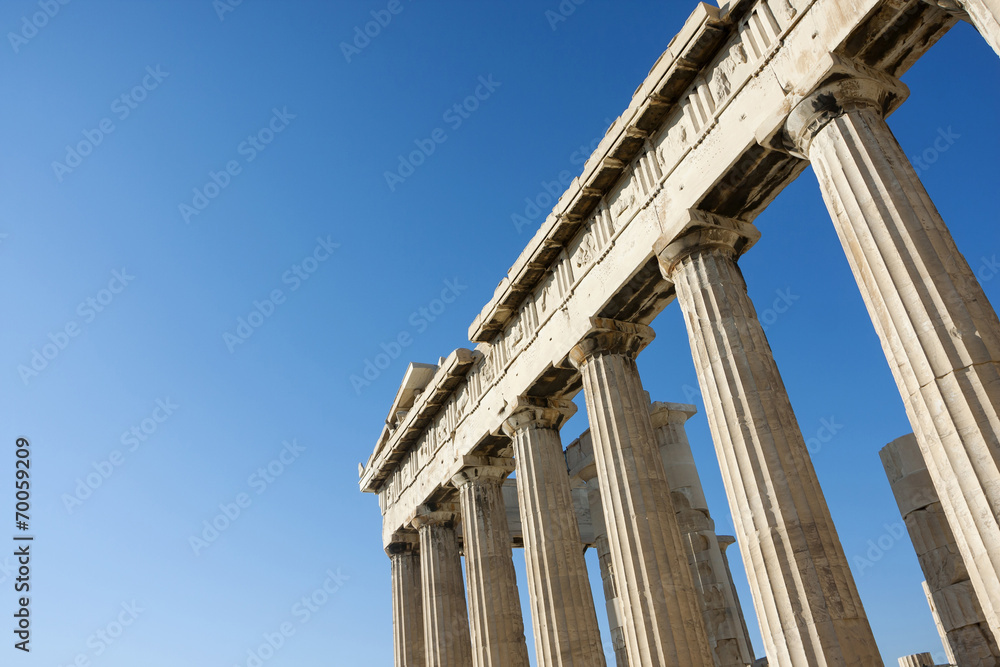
x=160 y=339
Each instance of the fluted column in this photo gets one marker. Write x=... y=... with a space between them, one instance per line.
x=663 y=622
x=917 y=660
x=446 y=619
x=407 y=602
x=562 y=606
x=939 y=332
x=806 y=600
x=724 y=624
x=610 y=586
x=494 y=604
x=949 y=590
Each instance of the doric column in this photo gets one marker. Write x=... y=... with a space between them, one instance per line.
x=562 y=607
x=951 y=596
x=806 y=600
x=615 y=624
x=494 y=604
x=407 y=601
x=662 y=617
x=938 y=330
x=446 y=619
x=917 y=660
x=724 y=624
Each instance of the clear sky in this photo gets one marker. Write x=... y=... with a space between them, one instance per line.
x=205 y=161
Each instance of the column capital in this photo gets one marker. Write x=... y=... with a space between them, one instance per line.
x=528 y=411
x=703 y=231
x=607 y=336
x=832 y=100
x=444 y=514
x=664 y=414
x=483 y=469
x=834 y=86
x=403 y=541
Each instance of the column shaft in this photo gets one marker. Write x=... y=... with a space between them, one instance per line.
x=663 y=622
x=940 y=334
x=610 y=586
x=562 y=606
x=724 y=624
x=806 y=600
x=446 y=619
x=407 y=605
x=494 y=604
x=950 y=592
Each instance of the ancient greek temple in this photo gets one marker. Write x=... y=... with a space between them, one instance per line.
x=743 y=98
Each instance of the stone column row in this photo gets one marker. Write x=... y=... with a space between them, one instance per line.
x=655 y=552
x=432 y=624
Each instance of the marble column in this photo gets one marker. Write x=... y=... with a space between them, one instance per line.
x=942 y=633
x=806 y=599
x=497 y=628
x=917 y=660
x=662 y=614
x=939 y=332
x=724 y=623
x=603 y=550
x=563 y=616
x=726 y=541
x=447 y=640
x=407 y=602
x=952 y=598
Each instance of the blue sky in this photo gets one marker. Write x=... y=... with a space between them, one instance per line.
x=137 y=301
